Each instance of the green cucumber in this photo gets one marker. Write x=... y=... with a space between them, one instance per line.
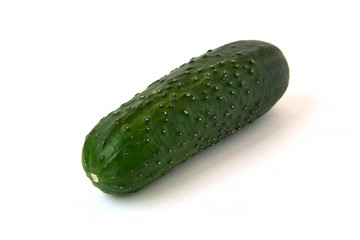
x=190 y=109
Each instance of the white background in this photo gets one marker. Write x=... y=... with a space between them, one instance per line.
x=293 y=174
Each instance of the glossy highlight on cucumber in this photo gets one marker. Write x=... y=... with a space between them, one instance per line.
x=190 y=109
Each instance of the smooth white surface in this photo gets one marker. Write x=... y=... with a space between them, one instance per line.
x=293 y=174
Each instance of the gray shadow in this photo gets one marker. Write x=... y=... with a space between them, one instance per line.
x=286 y=118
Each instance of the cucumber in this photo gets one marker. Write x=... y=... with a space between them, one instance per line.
x=192 y=108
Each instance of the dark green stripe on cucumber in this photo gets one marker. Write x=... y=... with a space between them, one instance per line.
x=190 y=109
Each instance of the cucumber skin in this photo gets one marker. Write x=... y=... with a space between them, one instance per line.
x=190 y=109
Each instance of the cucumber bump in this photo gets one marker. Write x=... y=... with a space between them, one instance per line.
x=190 y=109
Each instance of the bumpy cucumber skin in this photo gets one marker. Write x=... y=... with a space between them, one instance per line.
x=190 y=109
